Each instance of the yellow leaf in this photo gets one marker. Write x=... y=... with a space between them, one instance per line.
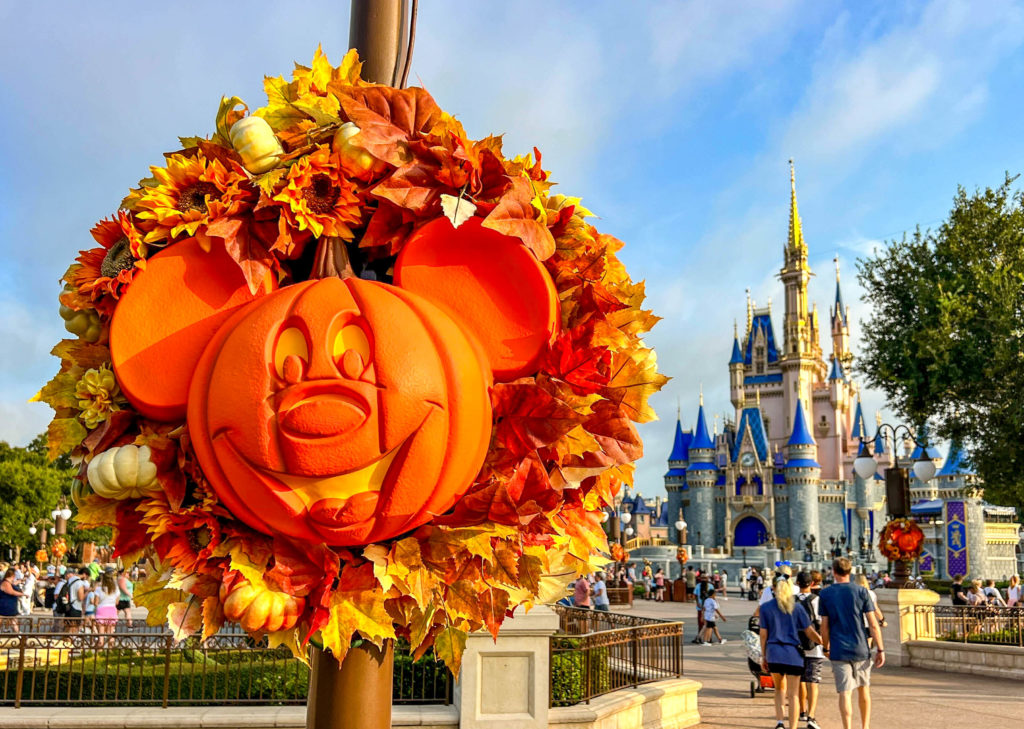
x=185 y=618
x=59 y=393
x=292 y=640
x=63 y=435
x=634 y=379
x=449 y=645
x=228 y=114
x=213 y=617
x=151 y=594
x=356 y=606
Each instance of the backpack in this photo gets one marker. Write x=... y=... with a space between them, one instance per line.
x=806 y=644
x=64 y=598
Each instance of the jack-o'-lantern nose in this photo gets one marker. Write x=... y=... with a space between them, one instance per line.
x=321 y=411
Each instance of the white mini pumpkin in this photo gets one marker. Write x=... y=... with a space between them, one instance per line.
x=256 y=144
x=125 y=472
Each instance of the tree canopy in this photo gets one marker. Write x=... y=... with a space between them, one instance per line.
x=946 y=339
x=30 y=488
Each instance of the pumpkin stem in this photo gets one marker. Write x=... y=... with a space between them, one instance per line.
x=332 y=259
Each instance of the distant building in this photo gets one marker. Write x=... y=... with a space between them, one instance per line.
x=780 y=476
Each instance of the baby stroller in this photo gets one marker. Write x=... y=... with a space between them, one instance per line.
x=752 y=642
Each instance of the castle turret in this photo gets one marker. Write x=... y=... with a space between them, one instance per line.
x=736 y=393
x=803 y=477
x=840 y=320
x=701 y=476
x=675 y=477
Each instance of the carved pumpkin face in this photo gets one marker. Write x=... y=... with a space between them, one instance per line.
x=340 y=411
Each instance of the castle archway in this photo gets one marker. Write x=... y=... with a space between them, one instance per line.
x=749 y=532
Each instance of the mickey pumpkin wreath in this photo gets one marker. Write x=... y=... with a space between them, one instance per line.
x=339 y=371
x=901 y=541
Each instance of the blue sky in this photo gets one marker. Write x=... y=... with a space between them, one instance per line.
x=672 y=120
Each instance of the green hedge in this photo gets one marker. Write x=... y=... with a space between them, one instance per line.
x=568 y=676
x=202 y=678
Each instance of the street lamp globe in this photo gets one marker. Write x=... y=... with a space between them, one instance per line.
x=604 y=516
x=65 y=513
x=55 y=513
x=626 y=517
x=865 y=465
x=924 y=469
x=53 y=530
x=629 y=531
x=680 y=525
x=32 y=530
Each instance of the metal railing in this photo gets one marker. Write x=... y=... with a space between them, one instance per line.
x=971 y=624
x=598 y=652
x=75 y=662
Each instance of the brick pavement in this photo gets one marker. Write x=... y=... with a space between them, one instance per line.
x=903 y=698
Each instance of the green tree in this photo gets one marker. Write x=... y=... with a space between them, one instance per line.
x=30 y=488
x=946 y=339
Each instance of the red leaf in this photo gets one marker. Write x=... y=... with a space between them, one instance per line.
x=413 y=187
x=489 y=502
x=615 y=432
x=109 y=431
x=577 y=360
x=388 y=117
x=529 y=417
x=516 y=216
x=245 y=248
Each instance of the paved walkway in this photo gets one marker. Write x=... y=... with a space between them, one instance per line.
x=903 y=697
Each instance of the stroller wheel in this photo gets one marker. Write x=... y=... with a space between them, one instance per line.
x=753 y=689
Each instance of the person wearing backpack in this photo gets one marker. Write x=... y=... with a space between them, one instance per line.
x=814 y=654
x=77 y=589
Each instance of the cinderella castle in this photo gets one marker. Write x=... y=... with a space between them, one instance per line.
x=780 y=475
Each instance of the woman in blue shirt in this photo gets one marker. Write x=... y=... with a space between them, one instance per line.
x=782 y=621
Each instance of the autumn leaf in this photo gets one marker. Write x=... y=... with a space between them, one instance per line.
x=387 y=118
x=634 y=379
x=614 y=432
x=86 y=355
x=185 y=618
x=292 y=640
x=457 y=209
x=449 y=645
x=62 y=435
x=213 y=616
x=503 y=563
x=227 y=114
x=515 y=215
x=413 y=187
x=357 y=606
x=528 y=417
x=579 y=360
x=493 y=604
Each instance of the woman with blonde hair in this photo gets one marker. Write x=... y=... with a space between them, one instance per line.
x=1013 y=592
x=105 y=597
x=782 y=622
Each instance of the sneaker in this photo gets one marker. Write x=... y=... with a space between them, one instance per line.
x=803 y=716
x=724 y=641
x=780 y=725
x=812 y=723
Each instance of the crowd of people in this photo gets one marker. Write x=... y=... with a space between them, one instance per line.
x=89 y=597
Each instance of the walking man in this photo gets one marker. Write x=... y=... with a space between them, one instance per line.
x=844 y=607
x=814 y=655
x=601 y=594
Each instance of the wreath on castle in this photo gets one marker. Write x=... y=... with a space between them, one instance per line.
x=333 y=178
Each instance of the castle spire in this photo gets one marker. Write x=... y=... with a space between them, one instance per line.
x=750 y=312
x=840 y=310
x=796 y=233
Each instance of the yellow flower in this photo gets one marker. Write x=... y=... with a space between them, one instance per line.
x=98 y=395
x=189 y=193
x=317 y=197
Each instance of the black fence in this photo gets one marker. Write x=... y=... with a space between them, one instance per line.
x=596 y=653
x=971 y=624
x=74 y=662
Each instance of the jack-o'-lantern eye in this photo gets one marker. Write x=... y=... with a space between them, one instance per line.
x=291 y=341
x=351 y=338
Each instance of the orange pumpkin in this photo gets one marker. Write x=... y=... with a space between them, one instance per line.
x=258 y=610
x=340 y=411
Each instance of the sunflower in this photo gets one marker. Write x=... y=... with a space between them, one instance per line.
x=105 y=271
x=186 y=538
x=188 y=194
x=317 y=197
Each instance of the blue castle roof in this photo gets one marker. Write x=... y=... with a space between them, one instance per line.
x=681 y=446
x=840 y=309
x=837 y=372
x=879 y=444
x=737 y=353
x=640 y=506
x=801 y=434
x=956 y=462
x=859 y=428
x=701 y=437
x=662 y=519
x=761 y=322
x=751 y=418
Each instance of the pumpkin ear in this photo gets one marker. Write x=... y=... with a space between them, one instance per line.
x=488 y=282
x=165 y=319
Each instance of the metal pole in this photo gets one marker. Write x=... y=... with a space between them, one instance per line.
x=357 y=693
x=379 y=30
x=354 y=695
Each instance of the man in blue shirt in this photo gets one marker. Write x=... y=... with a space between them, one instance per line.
x=601 y=601
x=844 y=607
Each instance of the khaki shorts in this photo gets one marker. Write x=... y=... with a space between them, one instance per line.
x=851 y=674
